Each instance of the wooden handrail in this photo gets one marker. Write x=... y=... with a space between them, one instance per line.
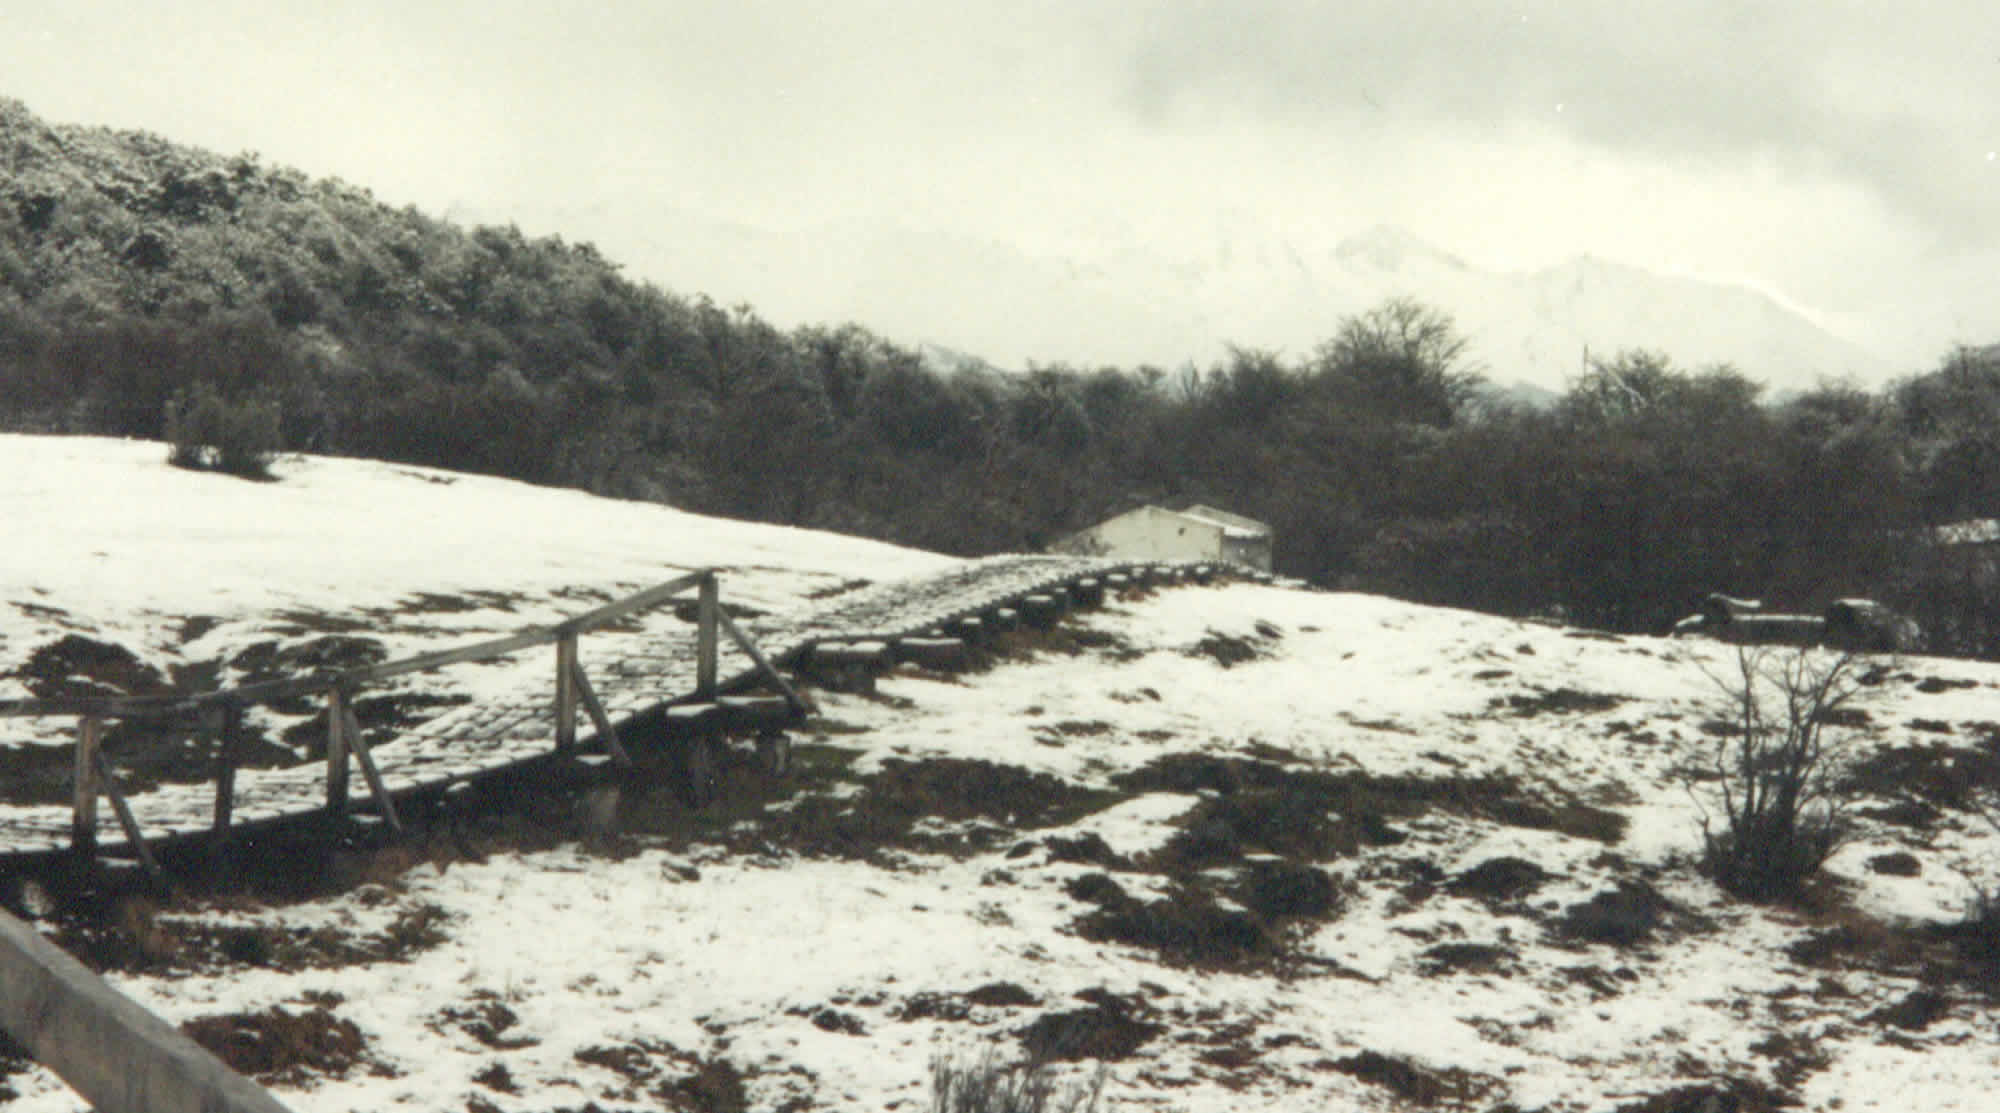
x=270 y=691
x=644 y=600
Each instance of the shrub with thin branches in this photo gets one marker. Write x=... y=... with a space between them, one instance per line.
x=987 y=1085
x=1773 y=812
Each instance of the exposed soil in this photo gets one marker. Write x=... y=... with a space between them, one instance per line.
x=77 y=667
x=278 y=1045
x=1112 y=1029
x=1420 y=1086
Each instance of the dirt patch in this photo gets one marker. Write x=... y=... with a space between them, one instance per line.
x=280 y=1046
x=1625 y=915
x=488 y=1020
x=1465 y=958
x=1418 y=1085
x=677 y=1079
x=1499 y=880
x=987 y=801
x=430 y=602
x=1111 y=1030
x=1899 y=863
x=1561 y=701
x=1316 y=815
x=1725 y=1095
x=1937 y=774
x=1278 y=890
x=1932 y=685
x=131 y=934
x=1088 y=849
x=1055 y=734
x=1914 y=1013
x=1226 y=650
x=77 y=667
x=1186 y=927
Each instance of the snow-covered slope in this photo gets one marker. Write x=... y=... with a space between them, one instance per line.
x=1249 y=848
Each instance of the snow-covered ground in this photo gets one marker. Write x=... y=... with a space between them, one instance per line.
x=1251 y=848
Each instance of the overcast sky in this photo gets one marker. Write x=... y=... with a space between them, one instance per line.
x=1840 y=153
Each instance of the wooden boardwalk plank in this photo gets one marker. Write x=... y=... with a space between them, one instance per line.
x=647 y=671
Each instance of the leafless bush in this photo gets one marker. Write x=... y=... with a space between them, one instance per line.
x=1772 y=812
x=986 y=1085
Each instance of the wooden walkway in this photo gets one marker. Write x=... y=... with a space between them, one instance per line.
x=647 y=674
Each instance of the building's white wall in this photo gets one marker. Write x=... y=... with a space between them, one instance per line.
x=1149 y=533
x=1154 y=533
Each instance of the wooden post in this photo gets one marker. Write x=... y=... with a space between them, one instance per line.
x=707 y=646
x=600 y=720
x=566 y=670
x=126 y=820
x=83 y=809
x=336 y=751
x=351 y=726
x=228 y=744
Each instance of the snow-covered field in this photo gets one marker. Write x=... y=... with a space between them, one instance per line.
x=1250 y=848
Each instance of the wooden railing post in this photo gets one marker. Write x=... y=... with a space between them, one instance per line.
x=83 y=808
x=707 y=645
x=566 y=671
x=336 y=750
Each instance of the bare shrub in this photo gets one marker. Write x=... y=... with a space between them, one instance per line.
x=987 y=1085
x=1772 y=811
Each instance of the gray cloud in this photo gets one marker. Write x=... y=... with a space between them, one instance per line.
x=1896 y=101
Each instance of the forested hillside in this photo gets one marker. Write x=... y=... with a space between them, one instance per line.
x=132 y=271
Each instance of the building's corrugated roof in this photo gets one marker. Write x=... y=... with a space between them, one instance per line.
x=1233 y=525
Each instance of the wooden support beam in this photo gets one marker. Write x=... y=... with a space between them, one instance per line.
x=126 y=821
x=763 y=663
x=566 y=672
x=116 y=1055
x=336 y=751
x=83 y=807
x=369 y=772
x=707 y=648
x=941 y=654
x=605 y=731
x=971 y=629
x=1042 y=610
x=866 y=654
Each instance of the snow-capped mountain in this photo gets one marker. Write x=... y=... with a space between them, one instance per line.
x=1120 y=297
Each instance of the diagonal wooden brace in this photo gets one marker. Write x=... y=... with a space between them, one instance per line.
x=126 y=820
x=598 y=718
x=369 y=773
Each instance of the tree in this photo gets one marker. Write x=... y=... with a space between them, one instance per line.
x=1401 y=361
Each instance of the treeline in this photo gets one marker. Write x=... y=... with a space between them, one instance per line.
x=134 y=272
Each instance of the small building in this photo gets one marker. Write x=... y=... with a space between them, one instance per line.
x=1156 y=533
